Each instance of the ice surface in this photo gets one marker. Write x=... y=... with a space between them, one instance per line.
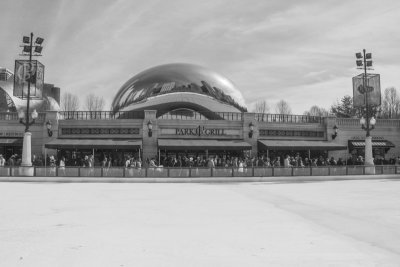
x=337 y=223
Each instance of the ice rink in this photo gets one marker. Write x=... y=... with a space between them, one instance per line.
x=335 y=223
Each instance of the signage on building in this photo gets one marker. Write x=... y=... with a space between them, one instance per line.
x=199 y=131
x=11 y=134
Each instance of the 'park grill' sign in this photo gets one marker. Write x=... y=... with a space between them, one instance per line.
x=199 y=131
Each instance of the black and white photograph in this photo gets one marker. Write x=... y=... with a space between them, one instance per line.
x=199 y=133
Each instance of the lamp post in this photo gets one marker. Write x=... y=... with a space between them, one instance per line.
x=251 y=127
x=29 y=77
x=150 y=128
x=364 y=61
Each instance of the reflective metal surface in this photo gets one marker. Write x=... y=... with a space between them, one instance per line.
x=6 y=95
x=178 y=77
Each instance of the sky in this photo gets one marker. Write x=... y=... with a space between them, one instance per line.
x=300 y=51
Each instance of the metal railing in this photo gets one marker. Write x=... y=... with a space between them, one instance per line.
x=13 y=116
x=231 y=116
x=356 y=122
x=100 y=115
x=284 y=118
x=202 y=171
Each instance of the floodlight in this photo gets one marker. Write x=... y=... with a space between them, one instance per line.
x=368 y=56
x=369 y=63
x=359 y=63
x=39 y=40
x=372 y=121
x=21 y=114
x=27 y=49
x=358 y=55
x=26 y=40
x=34 y=114
x=38 y=49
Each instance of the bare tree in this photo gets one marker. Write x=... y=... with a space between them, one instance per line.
x=94 y=103
x=282 y=107
x=261 y=107
x=316 y=111
x=391 y=103
x=69 y=102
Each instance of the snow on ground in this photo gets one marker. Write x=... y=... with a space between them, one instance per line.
x=336 y=223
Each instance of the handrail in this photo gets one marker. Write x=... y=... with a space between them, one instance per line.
x=286 y=118
x=13 y=116
x=345 y=170
x=100 y=115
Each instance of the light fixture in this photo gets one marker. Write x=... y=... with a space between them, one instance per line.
x=358 y=55
x=368 y=55
x=335 y=129
x=362 y=121
x=150 y=128
x=34 y=114
x=21 y=115
x=38 y=49
x=26 y=40
x=24 y=119
x=48 y=126
x=372 y=122
x=27 y=49
x=359 y=63
x=39 y=40
x=369 y=63
x=251 y=127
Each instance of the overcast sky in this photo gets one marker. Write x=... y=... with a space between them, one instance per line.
x=300 y=51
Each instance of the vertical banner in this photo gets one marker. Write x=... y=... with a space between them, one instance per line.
x=28 y=72
x=372 y=88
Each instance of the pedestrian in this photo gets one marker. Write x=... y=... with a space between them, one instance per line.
x=2 y=161
x=62 y=166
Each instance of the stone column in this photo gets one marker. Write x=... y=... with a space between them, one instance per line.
x=27 y=150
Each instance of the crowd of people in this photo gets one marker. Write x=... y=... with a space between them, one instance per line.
x=264 y=161
x=106 y=161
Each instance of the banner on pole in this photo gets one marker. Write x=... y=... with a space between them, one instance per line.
x=28 y=72
x=372 y=88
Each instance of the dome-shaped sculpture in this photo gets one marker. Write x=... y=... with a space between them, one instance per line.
x=173 y=86
x=13 y=104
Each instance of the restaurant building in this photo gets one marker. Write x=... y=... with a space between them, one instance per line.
x=184 y=110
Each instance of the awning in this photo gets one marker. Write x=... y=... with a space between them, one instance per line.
x=300 y=145
x=375 y=144
x=176 y=144
x=93 y=143
x=11 y=141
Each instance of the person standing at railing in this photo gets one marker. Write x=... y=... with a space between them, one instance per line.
x=286 y=162
x=340 y=162
x=11 y=161
x=62 y=166
x=52 y=161
x=2 y=161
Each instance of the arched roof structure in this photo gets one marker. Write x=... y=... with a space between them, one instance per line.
x=174 y=86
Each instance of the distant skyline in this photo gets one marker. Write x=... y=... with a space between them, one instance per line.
x=299 y=51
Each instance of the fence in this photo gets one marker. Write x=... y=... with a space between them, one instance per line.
x=13 y=116
x=230 y=116
x=283 y=118
x=100 y=115
x=201 y=172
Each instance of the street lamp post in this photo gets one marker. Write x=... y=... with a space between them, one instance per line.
x=364 y=61
x=30 y=76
